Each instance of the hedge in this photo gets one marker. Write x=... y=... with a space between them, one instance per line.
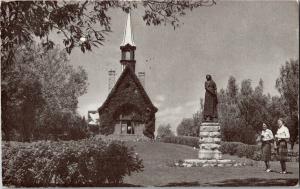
x=88 y=162
x=232 y=148
x=241 y=150
x=184 y=140
x=252 y=151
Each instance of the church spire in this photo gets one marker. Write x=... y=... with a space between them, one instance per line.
x=128 y=47
x=128 y=35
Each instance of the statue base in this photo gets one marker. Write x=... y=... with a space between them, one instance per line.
x=210 y=139
x=209 y=149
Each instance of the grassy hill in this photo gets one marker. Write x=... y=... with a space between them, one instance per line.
x=158 y=156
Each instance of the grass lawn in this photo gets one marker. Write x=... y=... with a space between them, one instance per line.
x=156 y=157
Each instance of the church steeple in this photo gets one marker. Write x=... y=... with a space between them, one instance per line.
x=128 y=47
x=128 y=35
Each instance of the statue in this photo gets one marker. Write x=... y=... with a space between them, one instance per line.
x=210 y=102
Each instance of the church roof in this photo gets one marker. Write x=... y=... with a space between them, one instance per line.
x=127 y=71
x=128 y=35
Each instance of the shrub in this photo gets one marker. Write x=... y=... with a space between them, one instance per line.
x=257 y=155
x=88 y=162
x=247 y=151
x=229 y=147
x=240 y=149
x=184 y=140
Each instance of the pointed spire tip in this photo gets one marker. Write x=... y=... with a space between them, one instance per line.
x=128 y=35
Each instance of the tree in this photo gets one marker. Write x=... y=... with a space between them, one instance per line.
x=41 y=92
x=276 y=110
x=164 y=131
x=229 y=114
x=82 y=24
x=288 y=86
x=187 y=128
x=242 y=113
x=245 y=104
x=232 y=89
x=246 y=88
x=21 y=98
x=253 y=106
x=190 y=126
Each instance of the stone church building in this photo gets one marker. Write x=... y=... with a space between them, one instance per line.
x=128 y=111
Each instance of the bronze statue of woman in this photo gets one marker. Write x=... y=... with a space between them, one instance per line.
x=210 y=103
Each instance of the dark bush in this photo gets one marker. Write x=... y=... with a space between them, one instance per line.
x=184 y=140
x=88 y=162
x=230 y=147
x=247 y=151
x=239 y=149
x=257 y=155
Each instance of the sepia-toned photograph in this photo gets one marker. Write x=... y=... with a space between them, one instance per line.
x=152 y=93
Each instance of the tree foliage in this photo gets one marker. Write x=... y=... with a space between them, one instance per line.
x=242 y=111
x=288 y=86
x=40 y=90
x=164 y=131
x=232 y=89
x=23 y=21
x=229 y=114
x=190 y=126
x=185 y=128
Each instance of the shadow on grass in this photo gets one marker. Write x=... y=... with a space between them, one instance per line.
x=242 y=182
x=279 y=172
x=86 y=185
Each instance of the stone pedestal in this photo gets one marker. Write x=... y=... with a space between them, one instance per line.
x=209 y=152
x=210 y=139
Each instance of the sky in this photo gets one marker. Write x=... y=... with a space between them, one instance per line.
x=244 y=39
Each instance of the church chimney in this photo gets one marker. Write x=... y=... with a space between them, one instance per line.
x=141 y=76
x=111 y=79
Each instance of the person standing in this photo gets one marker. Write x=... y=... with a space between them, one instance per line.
x=266 y=139
x=281 y=137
